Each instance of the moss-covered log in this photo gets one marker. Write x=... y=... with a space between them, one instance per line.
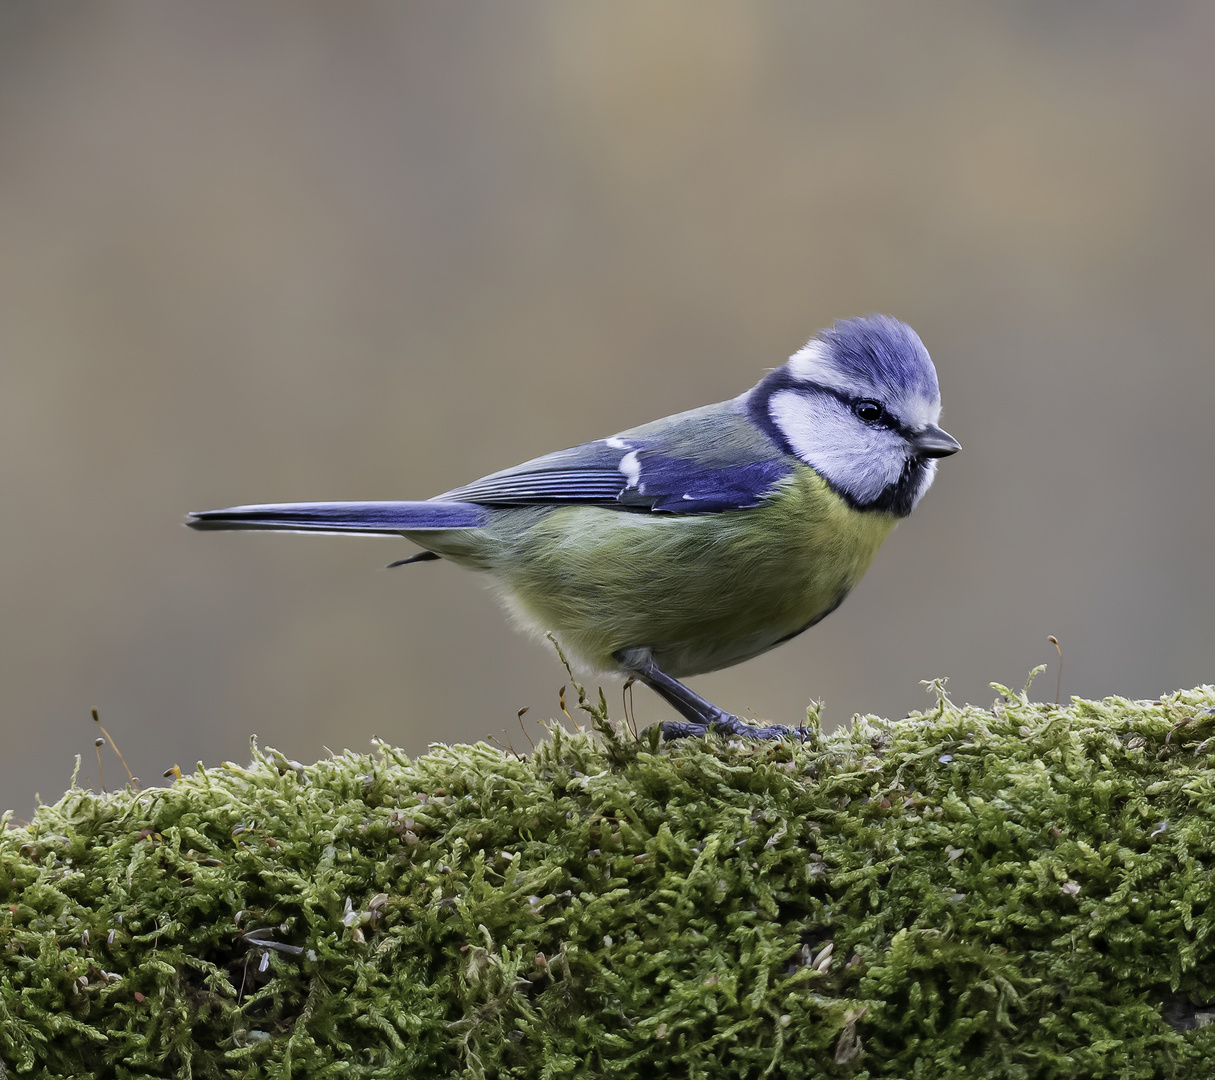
x=1020 y=892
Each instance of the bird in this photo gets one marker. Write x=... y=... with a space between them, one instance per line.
x=694 y=542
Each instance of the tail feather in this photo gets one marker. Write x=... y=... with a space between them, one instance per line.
x=391 y=518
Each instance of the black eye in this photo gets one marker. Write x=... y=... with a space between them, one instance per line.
x=871 y=412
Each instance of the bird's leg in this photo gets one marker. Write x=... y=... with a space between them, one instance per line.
x=703 y=716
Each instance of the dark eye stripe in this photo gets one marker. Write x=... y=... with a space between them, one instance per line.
x=780 y=379
x=887 y=419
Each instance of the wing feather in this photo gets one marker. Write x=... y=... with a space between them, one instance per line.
x=704 y=461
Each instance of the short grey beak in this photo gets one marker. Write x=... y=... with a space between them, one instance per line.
x=933 y=442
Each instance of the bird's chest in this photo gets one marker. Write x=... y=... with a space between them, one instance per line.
x=702 y=591
x=793 y=562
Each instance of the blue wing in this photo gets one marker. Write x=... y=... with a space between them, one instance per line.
x=699 y=462
x=704 y=461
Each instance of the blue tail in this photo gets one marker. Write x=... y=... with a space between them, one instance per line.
x=391 y=518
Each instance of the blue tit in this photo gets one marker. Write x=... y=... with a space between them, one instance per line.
x=696 y=541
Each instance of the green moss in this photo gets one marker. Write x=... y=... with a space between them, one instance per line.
x=1020 y=892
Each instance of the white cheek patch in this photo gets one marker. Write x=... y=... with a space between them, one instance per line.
x=858 y=459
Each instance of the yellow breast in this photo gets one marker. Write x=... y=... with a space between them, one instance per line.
x=701 y=591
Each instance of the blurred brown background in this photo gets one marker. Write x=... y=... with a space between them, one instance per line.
x=374 y=250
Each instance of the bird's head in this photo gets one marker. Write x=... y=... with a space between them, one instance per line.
x=859 y=404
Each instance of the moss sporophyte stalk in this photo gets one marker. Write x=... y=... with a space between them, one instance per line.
x=1024 y=891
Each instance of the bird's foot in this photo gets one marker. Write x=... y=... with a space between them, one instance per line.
x=728 y=725
x=702 y=716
